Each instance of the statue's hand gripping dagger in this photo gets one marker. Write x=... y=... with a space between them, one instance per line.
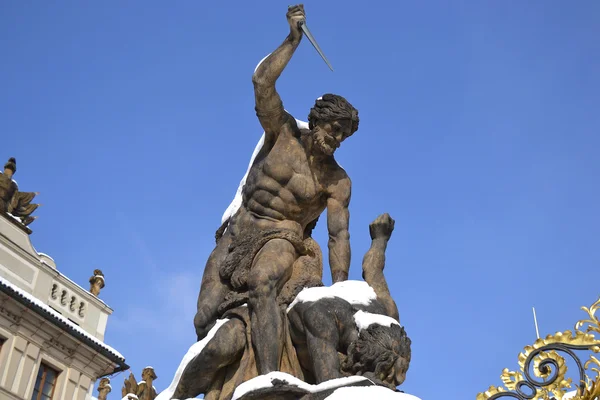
x=302 y=25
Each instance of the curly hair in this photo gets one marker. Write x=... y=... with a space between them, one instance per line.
x=376 y=350
x=332 y=107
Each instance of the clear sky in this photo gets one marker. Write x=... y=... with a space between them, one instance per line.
x=479 y=134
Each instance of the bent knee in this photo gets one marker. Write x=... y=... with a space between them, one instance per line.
x=272 y=266
x=261 y=283
x=203 y=321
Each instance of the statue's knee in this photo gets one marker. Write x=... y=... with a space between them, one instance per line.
x=260 y=283
x=203 y=322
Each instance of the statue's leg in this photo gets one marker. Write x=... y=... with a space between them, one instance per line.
x=272 y=267
x=222 y=350
x=212 y=290
x=323 y=338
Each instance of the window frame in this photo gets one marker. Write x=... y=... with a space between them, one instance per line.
x=3 y=341
x=44 y=367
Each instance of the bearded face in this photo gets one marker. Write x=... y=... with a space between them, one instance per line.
x=328 y=136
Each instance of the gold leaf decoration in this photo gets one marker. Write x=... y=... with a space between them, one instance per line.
x=510 y=378
x=592 y=323
x=489 y=393
x=548 y=364
x=560 y=385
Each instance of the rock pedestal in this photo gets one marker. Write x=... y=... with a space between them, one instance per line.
x=280 y=386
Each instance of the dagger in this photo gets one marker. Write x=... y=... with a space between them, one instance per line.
x=311 y=39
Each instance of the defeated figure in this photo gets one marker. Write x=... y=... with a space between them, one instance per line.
x=355 y=318
x=358 y=319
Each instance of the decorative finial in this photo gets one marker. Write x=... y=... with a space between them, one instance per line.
x=11 y=165
x=104 y=388
x=17 y=204
x=142 y=390
x=96 y=282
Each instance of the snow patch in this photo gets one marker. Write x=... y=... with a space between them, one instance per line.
x=15 y=218
x=301 y=124
x=265 y=381
x=130 y=396
x=354 y=292
x=58 y=316
x=45 y=255
x=260 y=62
x=364 y=319
x=237 y=200
x=194 y=350
x=366 y=392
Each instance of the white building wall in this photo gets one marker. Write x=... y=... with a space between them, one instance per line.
x=31 y=340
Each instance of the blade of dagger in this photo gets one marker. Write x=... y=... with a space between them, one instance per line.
x=312 y=41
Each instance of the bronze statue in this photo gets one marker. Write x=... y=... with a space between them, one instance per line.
x=291 y=182
x=319 y=329
x=18 y=204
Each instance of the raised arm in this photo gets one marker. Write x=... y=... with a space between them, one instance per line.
x=338 y=220
x=269 y=107
x=374 y=262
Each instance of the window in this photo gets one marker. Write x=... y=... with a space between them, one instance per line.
x=45 y=383
x=2 y=340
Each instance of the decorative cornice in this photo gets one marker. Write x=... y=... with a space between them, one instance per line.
x=61 y=324
x=16 y=223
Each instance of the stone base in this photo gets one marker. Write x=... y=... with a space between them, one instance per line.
x=281 y=386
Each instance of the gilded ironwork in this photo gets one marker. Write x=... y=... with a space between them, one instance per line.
x=543 y=366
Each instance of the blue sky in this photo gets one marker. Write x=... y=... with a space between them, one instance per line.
x=135 y=120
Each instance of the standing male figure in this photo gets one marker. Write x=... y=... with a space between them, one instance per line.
x=292 y=180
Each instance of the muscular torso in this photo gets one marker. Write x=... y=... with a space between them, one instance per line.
x=286 y=188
